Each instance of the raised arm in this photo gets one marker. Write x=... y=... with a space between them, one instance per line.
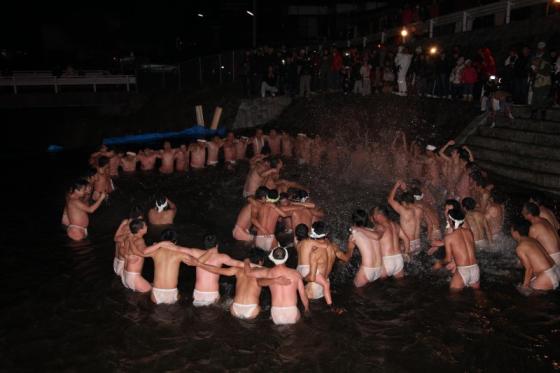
x=192 y=261
x=121 y=232
x=471 y=156
x=441 y=152
x=391 y=199
x=259 y=272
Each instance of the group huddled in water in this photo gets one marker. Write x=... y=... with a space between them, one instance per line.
x=447 y=209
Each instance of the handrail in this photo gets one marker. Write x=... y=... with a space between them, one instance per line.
x=57 y=82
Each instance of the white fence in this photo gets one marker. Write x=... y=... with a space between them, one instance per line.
x=93 y=79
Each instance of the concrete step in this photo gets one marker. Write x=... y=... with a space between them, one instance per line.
x=529 y=125
x=548 y=166
x=523 y=136
x=512 y=147
x=552 y=114
x=526 y=178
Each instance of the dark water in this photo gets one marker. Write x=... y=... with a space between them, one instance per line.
x=65 y=310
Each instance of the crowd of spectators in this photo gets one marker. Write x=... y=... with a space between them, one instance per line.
x=529 y=75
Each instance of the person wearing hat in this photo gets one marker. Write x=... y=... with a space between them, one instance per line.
x=129 y=162
x=284 y=310
x=460 y=253
x=163 y=213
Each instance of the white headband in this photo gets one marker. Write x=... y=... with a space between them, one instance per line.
x=419 y=198
x=314 y=234
x=132 y=154
x=430 y=148
x=273 y=200
x=201 y=140
x=302 y=134
x=456 y=223
x=161 y=207
x=278 y=261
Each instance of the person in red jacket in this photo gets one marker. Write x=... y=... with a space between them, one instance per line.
x=469 y=77
x=336 y=67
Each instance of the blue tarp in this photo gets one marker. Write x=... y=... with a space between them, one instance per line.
x=55 y=148
x=195 y=132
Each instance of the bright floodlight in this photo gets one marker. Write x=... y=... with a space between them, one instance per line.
x=556 y=1
x=200 y=15
x=433 y=50
x=404 y=32
x=250 y=13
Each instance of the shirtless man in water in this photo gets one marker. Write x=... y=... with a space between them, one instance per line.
x=274 y=142
x=167 y=259
x=303 y=148
x=478 y=224
x=243 y=223
x=391 y=233
x=494 y=214
x=182 y=159
x=284 y=308
x=318 y=255
x=247 y=289
x=198 y=154
x=213 y=149
x=266 y=216
x=257 y=173
x=241 y=148
x=121 y=235
x=367 y=242
x=546 y=213
x=75 y=216
x=429 y=215
x=460 y=254
x=114 y=163
x=134 y=258
x=129 y=161
x=542 y=231
x=163 y=213
x=147 y=159
x=230 y=156
x=306 y=216
x=258 y=141
x=207 y=287
x=287 y=145
x=102 y=183
x=167 y=158
x=410 y=215
x=541 y=273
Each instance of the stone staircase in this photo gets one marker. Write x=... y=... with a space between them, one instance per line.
x=525 y=152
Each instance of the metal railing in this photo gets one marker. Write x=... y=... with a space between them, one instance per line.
x=462 y=21
x=92 y=79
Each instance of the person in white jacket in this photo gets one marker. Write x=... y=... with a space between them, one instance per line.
x=456 y=78
x=402 y=61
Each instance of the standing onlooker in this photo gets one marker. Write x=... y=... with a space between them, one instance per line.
x=335 y=70
x=520 y=83
x=456 y=79
x=304 y=74
x=542 y=83
x=469 y=79
x=487 y=69
x=443 y=70
x=269 y=83
x=365 y=73
x=402 y=62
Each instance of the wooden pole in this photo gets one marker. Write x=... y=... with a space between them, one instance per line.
x=199 y=115
x=216 y=118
